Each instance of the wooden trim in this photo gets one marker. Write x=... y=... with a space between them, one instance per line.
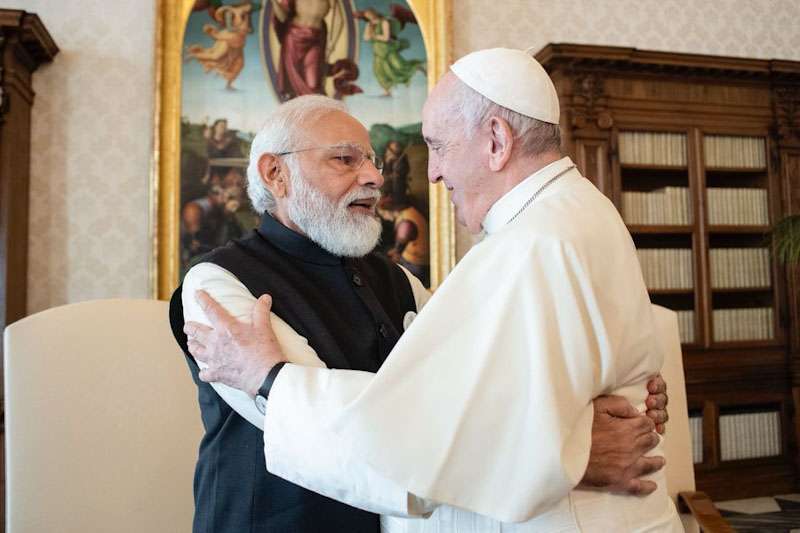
x=704 y=511
x=575 y=55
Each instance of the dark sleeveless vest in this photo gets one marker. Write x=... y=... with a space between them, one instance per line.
x=351 y=311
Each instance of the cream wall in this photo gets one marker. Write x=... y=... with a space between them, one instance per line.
x=91 y=146
x=92 y=123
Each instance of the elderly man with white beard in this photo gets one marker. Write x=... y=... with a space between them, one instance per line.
x=315 y=179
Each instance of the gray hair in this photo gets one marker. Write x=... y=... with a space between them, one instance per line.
x=283 y=131
x=534 y=136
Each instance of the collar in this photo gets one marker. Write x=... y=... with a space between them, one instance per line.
x=510 y=203
x=294 y=244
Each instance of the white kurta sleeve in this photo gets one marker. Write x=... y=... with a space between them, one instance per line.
x=226 y=289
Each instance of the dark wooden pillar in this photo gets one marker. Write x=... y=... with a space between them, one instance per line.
x=25 y=44
x=786 y=158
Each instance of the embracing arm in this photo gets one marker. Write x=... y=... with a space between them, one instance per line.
x=305 y=400
x=327 y=468
x=234 y=297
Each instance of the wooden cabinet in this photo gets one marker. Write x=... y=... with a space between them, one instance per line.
x=25 y=44
x=701 y=155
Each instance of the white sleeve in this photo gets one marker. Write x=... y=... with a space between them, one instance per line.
x=328 y=471
x=301 y=447
x=226 y=289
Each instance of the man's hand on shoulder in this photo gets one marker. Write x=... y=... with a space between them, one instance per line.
x=237 y=354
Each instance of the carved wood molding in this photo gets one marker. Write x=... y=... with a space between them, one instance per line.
x=33 y=36
x=26 y=37
x=621 y=59
x=588 y=106
x=786 y=111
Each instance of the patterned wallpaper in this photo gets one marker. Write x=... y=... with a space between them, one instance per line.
x=92 y=123
x=747 y=28
x=91 y=145
x=766 y=29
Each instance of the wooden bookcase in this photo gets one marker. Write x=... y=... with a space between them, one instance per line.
x=730 y=146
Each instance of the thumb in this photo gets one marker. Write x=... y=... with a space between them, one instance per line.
x=261 y=311
x=207 y=375
x=615 y=406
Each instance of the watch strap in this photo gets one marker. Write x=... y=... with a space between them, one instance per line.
x=266 y=386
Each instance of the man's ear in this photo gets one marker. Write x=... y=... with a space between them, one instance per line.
x=273 y=173
x=502 y=139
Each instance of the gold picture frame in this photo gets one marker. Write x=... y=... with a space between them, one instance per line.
x=435 y=21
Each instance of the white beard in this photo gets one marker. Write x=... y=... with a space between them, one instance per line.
x=332 y=225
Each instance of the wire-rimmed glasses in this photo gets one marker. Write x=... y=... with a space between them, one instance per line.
x=350 y=155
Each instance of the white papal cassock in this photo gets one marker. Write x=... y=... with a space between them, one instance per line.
x=482 y=413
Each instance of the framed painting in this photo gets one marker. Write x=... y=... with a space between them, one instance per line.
x=223 y=65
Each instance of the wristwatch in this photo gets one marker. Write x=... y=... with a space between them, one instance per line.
x=263 y=391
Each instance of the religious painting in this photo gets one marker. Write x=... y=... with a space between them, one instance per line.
x=241 y=59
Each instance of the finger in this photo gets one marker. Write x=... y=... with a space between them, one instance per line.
x=208 y=375
x=198 y=351
x=657 y=385
x=197 y=331
x=216 y=314
x=645 y=466
x=641 y=426
x=261 y=314
x=645 y=443
x=657 y=401
x=616 y=406
x=659 y=416
x=640 y=487
x=661 y=429
x=645 y=425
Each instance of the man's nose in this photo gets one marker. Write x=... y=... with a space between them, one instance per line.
x=369 y=175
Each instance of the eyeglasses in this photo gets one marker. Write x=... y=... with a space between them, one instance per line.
x=351 y=156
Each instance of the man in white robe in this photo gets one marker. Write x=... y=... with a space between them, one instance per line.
x=482 y=413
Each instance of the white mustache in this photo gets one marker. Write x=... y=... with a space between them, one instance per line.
x=362 y=193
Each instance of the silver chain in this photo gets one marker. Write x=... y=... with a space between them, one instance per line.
x=537 y=193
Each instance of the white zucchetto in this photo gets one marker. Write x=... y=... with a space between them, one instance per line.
x=512 y=79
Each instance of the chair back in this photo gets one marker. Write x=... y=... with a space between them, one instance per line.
x=102 y=422
x=678 y=440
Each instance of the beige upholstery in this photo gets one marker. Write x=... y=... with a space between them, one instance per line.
x=677 y=441
x=102 y=423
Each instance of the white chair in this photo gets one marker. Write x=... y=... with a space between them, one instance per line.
x=703 y=516
x=102 y=422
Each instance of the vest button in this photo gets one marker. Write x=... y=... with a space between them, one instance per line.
x=383 y=330
x=357 y=280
